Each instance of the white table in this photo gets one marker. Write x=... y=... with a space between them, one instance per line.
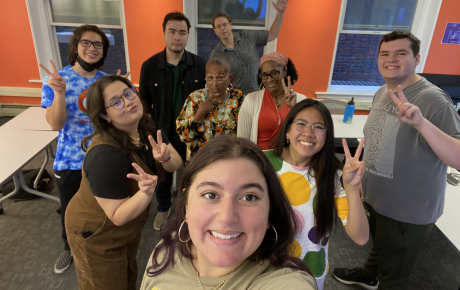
x=448 y=222
x=353 y=130
x=34 y=119
x=21 y=139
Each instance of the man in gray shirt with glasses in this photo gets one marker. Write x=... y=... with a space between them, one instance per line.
x=240 y=48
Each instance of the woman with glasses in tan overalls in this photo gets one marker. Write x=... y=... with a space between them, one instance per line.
x=104 y=219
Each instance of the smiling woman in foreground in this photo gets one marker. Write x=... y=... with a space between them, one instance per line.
x=232 y=226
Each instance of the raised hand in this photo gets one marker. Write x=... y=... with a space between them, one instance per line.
x=353 y=169
x=280 y=5
x=407 y=113
x=147 y=182
x=290 y=97
x=126 y=75
x=55 y=81
x=160 y=150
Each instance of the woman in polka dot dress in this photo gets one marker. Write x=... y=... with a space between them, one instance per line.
x=312 y=178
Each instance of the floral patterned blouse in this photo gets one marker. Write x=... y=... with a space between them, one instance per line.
x=221 y=120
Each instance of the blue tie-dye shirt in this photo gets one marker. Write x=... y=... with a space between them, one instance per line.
x=69 y=154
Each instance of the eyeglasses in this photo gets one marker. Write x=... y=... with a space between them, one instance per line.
x=318 y=128
x=218 y=80
x=87 y=43
x=274 y=74
x=119 y=103
x=220 y=26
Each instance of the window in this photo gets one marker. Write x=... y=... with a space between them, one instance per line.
x=52 y=23
x=361 y=26
x=245 y=14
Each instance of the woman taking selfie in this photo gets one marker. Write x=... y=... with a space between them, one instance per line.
x=232 y=226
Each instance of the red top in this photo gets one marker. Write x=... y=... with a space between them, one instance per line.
x=271 y=118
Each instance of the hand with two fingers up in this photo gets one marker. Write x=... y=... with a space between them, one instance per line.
x=290 y=97
x=353 y=170
x=160 y=150
x=147 y=183
x=55 y=81
x=407 y=112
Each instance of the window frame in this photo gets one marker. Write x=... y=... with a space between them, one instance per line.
x=424 y=23
x=191 y=11
x=44 y=33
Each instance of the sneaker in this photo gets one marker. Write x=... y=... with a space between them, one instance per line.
x=160 y=219
x=63 y=263
x=354 y=277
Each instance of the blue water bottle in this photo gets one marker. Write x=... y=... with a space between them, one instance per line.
x=349 y=110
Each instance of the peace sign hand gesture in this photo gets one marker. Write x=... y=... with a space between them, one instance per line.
x=290 y=97
x=55 y=81
x=408 y=113
x=160 y=150
x=126 y=75
x=147 y=182
x=280 y=5
x=353 y=169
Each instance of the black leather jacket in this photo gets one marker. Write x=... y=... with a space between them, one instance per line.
x=156 y=84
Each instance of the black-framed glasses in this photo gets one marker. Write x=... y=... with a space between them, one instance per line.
x=119 y=103
x=274 y=74
x=318 y=128
x=224 y=25
x=218 y=79
x=87 y=43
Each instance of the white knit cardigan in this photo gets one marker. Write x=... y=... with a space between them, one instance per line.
x=248 y=117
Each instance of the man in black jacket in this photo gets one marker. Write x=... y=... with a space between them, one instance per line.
x=166 y=80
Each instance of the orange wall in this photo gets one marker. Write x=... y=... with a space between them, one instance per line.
x=18 y=62
x=144 y=29
x=308 y=37
x=444 y=58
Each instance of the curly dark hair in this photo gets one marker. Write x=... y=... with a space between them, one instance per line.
x=281 y=214
x=291 y=72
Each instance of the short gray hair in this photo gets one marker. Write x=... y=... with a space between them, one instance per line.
x=219 y=61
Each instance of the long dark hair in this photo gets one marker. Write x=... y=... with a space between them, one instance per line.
x=108 y=132
x=324 y=164
x=281 y=215
x=77 y=34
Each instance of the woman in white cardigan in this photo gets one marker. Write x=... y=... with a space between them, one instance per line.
x=262 y=113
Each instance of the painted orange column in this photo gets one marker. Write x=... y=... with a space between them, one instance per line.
x=144 y=19
x=308 y=37
x=17 y=53
x=444 y=58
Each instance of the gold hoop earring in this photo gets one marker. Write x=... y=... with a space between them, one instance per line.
x=287 y=139
x=276 y=236
x=180 y=228
x=231 y=86
x=261 y=86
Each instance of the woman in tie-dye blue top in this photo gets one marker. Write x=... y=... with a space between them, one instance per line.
x=64 y=97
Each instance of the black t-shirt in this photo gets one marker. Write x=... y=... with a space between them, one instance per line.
x=106 y=168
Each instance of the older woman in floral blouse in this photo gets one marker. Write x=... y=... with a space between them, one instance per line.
x=211 y=111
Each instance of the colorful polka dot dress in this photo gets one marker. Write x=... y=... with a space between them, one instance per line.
x=300 y=189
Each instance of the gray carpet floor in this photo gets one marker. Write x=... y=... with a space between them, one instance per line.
x=30 y=243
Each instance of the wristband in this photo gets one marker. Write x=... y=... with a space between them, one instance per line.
x=165 y=160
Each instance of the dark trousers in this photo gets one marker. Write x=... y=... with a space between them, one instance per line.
x=163 y=193
x=396 y=246
x=68 y=184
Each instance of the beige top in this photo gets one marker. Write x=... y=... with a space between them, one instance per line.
x=251 y=276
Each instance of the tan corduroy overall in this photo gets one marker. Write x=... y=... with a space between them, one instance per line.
x=107 y=258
